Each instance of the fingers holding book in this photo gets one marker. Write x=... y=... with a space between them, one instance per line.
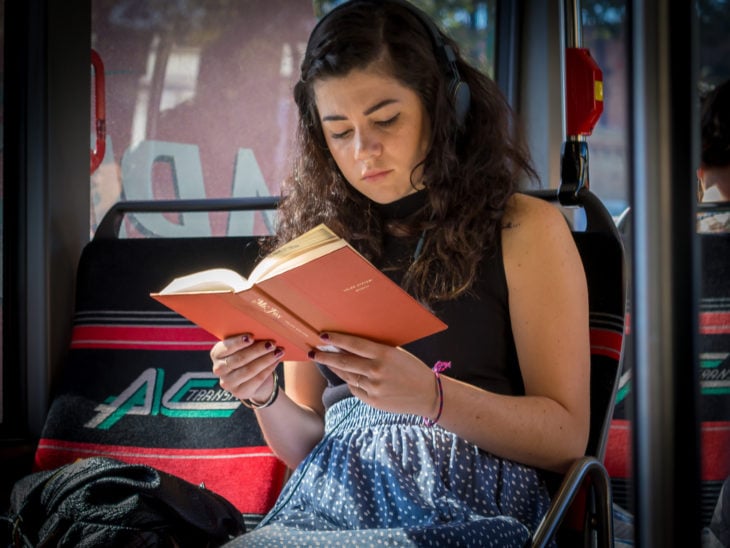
x=384 y=376
x=245 y=366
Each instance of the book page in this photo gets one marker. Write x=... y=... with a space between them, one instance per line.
x=212 y=280
x=313 y=243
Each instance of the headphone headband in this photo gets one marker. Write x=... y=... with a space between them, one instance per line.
x=458 y=90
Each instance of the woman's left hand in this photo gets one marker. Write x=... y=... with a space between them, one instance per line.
x=385 y=377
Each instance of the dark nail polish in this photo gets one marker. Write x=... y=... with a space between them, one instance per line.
x=279 y=352
x=269 y=345
x=324 y=337
x=311 y=354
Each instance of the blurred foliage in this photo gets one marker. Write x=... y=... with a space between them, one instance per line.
x=714 y=26
x=184 y=23
x=606 y=18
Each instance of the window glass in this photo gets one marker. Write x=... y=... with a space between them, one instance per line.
x=714 y=46
x=714 y=21
x=198 y=101
x=197 y=104
x=605 y=32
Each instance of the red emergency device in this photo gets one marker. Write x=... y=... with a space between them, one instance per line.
x=583 y=91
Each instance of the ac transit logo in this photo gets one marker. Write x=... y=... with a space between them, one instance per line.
x=193 y=395
x=714 y=376
x=715 y=373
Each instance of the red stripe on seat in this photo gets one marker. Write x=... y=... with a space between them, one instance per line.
x=618 y=449
x=715 y=447
x=715 y=450
x=249 y=477
x=715 y=323
x=606 y=342
x=136 y=337
x=710 y=323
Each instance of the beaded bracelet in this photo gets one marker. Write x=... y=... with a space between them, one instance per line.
x=251 y=404
x=437 y=369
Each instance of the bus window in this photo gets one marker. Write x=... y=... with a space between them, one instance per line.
x=198 y=101
x=714 y=43
x=714 y=69
x=605 y=32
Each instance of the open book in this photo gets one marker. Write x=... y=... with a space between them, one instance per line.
x=313 y=284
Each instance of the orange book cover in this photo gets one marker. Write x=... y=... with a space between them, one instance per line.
x=315 y=283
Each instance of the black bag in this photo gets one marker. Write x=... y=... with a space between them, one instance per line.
x=105 y=502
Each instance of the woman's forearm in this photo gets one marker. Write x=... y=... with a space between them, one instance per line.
x=290 y=430
x=537 y=431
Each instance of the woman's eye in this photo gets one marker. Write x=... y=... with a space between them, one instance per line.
x=341 y=134
x=389 y=121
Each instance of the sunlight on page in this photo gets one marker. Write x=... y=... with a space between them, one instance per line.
x=212 y=280
x=310 y=245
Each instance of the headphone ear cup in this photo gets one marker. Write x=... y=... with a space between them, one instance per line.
x=461 y=96
x=459 y=91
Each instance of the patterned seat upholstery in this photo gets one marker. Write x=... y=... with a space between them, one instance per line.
x=137 y=385
x=714 y=361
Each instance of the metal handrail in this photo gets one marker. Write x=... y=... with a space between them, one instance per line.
x=112 y=221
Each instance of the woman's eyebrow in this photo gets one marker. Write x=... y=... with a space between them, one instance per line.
x=379 y=105
x=367 y=111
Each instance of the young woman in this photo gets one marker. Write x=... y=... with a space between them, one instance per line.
x=410 y=154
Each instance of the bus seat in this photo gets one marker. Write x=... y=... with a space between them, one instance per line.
x=582 y=503
x=137 y=385
x=714 y=363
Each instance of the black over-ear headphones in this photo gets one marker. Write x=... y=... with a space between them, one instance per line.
x=458 y=90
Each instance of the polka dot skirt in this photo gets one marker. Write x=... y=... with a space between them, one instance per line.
x=383 y=479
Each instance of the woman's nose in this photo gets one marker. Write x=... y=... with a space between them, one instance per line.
x=366 y=145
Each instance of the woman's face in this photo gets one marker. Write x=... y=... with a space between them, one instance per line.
x=377 y=131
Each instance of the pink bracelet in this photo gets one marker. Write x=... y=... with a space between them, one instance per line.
x=437 y=369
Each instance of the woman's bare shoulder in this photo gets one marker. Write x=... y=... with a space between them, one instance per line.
x=524 y=213
x=536 y=237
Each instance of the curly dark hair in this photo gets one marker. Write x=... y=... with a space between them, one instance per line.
x=715 y=125
x=470 y=171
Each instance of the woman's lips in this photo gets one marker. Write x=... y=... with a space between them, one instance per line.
x=374 y=175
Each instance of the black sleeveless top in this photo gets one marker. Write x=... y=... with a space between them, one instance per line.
x=478 y=342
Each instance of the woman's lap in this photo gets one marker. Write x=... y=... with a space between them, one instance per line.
x=382 y=478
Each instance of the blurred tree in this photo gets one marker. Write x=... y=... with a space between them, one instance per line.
x=607 y=17
x=714 y=30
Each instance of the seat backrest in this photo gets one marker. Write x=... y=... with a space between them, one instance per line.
x=602 y=253
x=714 y=363
x=137 y=385
x=581 y=507
x=713 y=227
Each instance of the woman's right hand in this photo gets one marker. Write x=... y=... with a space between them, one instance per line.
x=245 y=366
